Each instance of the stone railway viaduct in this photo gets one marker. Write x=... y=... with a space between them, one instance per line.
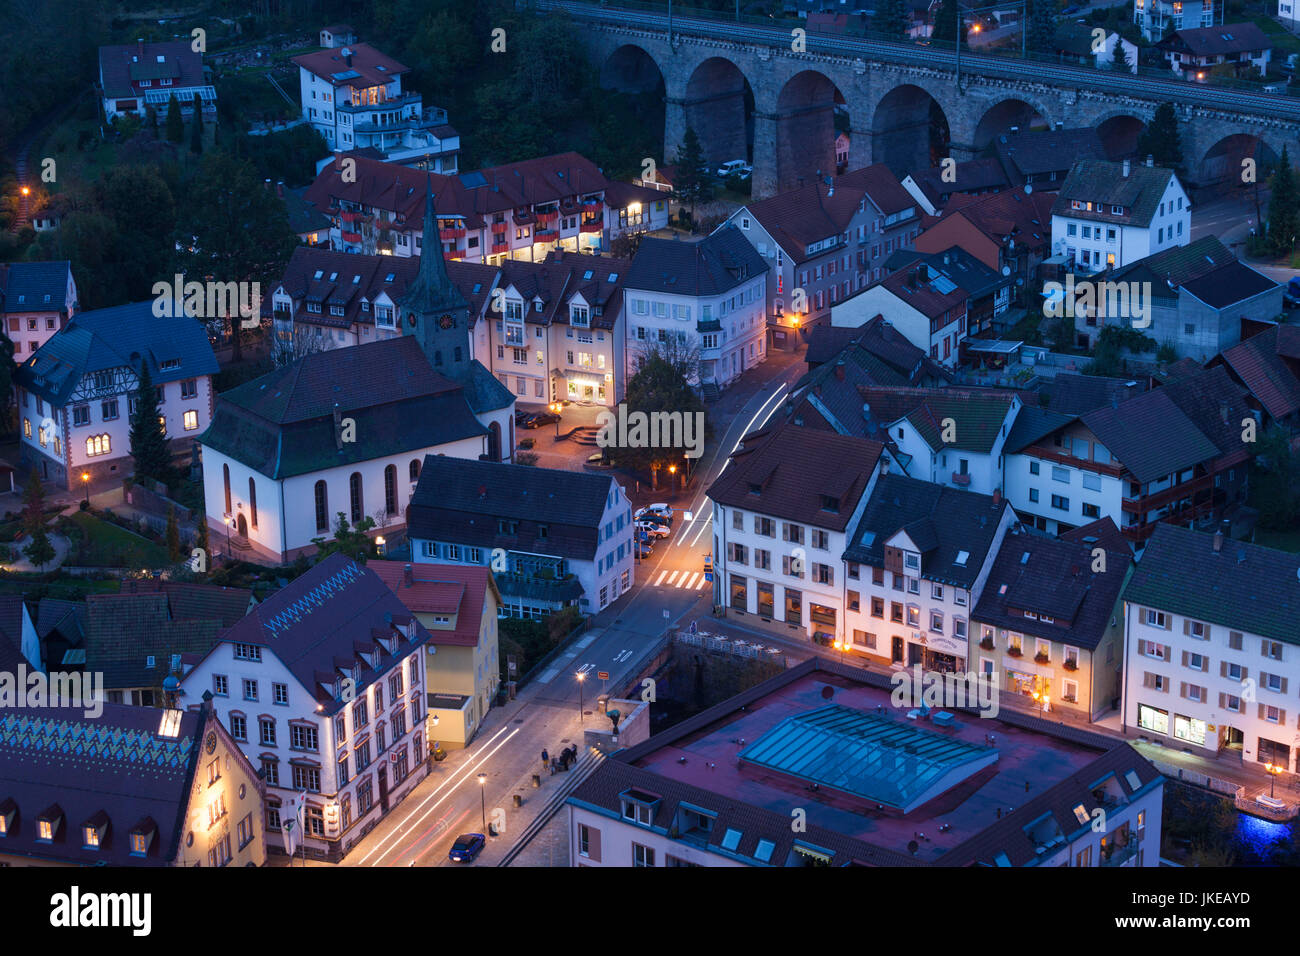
x=891 y=92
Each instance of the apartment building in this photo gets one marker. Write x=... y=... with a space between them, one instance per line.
x=827 y=240
x=523 y=210
x=37 y=300
x=781 y=511
x=871 y=780
x=1108 y=215
x=322 y=687
x=352 y=95
x=1267 y=365
x=1157 y=18
x=917 y=560
x=1049 y=623
x=553 y=538
x=1237 y=49
x=1175 y=453
x=135 y=77
x=707 y=297
x=1211 y=652
x=76 y=393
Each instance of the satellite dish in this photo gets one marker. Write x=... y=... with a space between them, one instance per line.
x=1006 y=270
x=1028 y=189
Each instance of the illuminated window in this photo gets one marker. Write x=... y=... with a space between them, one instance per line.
x=98 y=445
x=92 y=837
x=191 y=421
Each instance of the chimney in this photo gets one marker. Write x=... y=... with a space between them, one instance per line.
x=338 y=427
x=1127 y=167
x=839 y=370
x=997 y=497
x=279 y=189
x=139 y=48
x=408 y=577
x=1218 y=541
x=1151 y=160
x=1223 y=411
x=267 y=184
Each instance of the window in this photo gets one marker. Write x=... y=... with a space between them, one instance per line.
x=189 y=388
x=306 y=778
x=322 y=507
x=302 y=737
x=1060 y=503
x=191 y=419
x=81 y=415
x=239 y=727
x=252 y=500
x=250 y=689
x=97 y=445
x=354 y=492
x=266 y=731
x=220 y=685
x=642 y=855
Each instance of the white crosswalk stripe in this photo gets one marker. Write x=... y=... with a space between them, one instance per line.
x=662 y=574
x=689 y=583
x=673 y=577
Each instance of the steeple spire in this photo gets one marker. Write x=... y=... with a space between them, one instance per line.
x=432 y=290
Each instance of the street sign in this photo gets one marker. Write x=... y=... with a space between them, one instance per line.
x=665 y=614
x=603 y=675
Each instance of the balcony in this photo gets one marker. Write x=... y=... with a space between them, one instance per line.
x=499 y=228
x=547 y=235
x=1121 y=856
x=960 y=480
x=350 y=216
x=500 y=247
x=452 y=234
x=545 y=218
x=596 y=226
x=350 y=237
x=456 y=254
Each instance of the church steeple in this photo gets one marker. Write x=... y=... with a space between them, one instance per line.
x=433 y=308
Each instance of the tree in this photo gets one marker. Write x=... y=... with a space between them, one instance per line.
x=891 y=20
x=1041 y=26
x=173 y=536
x=196 y=127
x=8 y=419
x=1275 y=481
x=350 y=540
x=175 y=126
x=1160 y=139
x=38 y=548
x=149 y=448
x=693 y=181
x=661 y=384
x=1283 y=209
x=947 y=19
x=1120 y=60
x=33 y=503
x=201 y=539
x=232 y=231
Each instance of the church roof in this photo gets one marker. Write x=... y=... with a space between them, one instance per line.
x=432 y=291
x=283 y=423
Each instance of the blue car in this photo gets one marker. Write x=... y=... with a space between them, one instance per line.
x=466 y=847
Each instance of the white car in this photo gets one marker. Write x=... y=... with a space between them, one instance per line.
x=653 y=529
x=735 y=167
x=659 y=510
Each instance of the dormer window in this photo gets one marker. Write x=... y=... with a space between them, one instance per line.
x=639 y=806
x=94 y=830
x=580 y=316
x=8 y=814
x=831 y=504
x=755 y=488
x=48 y=824
x=912 y=561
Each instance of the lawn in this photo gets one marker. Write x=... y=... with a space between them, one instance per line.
x=33 y=587
x=98 y=544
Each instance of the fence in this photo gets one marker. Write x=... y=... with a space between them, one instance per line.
x=733 y=646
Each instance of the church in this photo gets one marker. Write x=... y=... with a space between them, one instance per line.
x=346 y=430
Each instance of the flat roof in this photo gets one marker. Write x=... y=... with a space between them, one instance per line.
x=720 y=757
x=992 y=345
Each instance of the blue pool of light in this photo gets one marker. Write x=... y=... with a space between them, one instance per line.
x=1255 y=836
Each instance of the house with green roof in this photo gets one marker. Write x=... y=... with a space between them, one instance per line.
x=1212 y=652
x=77 y=391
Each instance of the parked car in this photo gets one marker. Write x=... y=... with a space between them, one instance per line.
x=1291 y=294
x=644 y=549
x=522 y=415
x=659 y=509
x=735 y=167
x=538 y=419
x=467 y=847
x=653 y=529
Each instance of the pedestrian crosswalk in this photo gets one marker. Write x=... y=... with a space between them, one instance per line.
x=685 y=580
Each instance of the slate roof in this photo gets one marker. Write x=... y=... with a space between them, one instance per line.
x=191 y=601
x=1009 y=838
x=970 y=176
x=282 y=423
x=559 y=278
x=1053 y=577
x=1032 y=425
x=123 y=336
x=120 y=65
x=716 y=264
x=1227 y=38
x=124 y=630
x=1268 y=374
x=66 y=617
x=1077 y=394
x=371 y=68
x=453 y=589
x=1206 y=268
x=1184 y=423
x=1103 y=532
x=926 y=290
x=35 y=286
x=304 y=216
x=1039 y=152
x=114 y=764
x=795 y=469
x=1245 y=587
x=322 y=621
x=461 y=501
x=797 y=218
x=1139 y=193
x=1012 y=214
x=960 y=521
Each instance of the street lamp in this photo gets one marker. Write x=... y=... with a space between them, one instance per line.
x=672 y=472
x=482 y=798
x=26 y=191
x=85 y=483
x=379 y=545
x=1273 y=770
x=230 y=523
x=581 y=715
x=555 y=407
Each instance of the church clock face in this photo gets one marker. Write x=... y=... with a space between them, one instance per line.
x=447 y=322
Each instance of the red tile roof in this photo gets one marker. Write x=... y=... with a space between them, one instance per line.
x=458 y=589
x=372 y=67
